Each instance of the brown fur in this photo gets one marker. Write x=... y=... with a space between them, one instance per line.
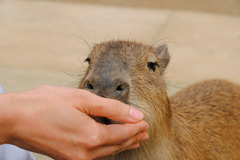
x=200 y=122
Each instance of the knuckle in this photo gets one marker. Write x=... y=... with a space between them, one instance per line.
x=112 y=108
x=99 y=107
x=115 y=104
x=115 y=107
x=95 y=139
x=82 y=153
x=120 y=108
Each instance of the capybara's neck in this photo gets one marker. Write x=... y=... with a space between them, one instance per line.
x=160 y=143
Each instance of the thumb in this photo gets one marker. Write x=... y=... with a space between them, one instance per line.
x=94 y=105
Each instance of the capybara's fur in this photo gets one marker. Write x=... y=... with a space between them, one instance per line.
x=201 y=122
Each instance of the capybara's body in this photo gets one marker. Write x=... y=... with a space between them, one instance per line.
x=200 y=122
x=206 y=121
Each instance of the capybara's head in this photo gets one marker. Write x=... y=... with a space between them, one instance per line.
x=130 y=72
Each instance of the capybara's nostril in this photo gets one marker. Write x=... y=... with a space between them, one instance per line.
x=88 y=85
x=122 y=89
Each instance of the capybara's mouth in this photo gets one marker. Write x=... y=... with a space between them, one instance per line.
x=103 y=120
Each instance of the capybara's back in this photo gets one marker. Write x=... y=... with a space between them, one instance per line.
x=206 y=118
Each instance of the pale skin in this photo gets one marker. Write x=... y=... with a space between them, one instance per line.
x=56 y=121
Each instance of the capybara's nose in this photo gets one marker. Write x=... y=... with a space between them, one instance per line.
x=116 y=89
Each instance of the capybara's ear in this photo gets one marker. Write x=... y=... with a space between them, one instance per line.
x=163 y=56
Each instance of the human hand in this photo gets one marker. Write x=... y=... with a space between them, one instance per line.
x=56 y=121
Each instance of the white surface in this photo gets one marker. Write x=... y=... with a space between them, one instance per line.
x=11 y=152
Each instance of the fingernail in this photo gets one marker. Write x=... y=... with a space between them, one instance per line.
x=147 y=126
x=145 y=137
x=136 y=115
x=136 y=145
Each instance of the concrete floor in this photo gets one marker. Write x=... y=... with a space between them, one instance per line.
x=41 y=41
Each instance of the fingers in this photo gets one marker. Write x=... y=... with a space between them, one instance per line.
x=132 y=143
x=112 y=109
x=119 y=133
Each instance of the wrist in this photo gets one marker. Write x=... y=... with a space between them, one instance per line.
x=8 y=116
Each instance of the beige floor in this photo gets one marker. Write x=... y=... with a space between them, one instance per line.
x=40 y=41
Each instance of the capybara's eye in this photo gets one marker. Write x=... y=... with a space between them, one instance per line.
x=152 y=65
x=88 y=60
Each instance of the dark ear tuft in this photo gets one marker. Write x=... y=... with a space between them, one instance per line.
x=163 y=57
